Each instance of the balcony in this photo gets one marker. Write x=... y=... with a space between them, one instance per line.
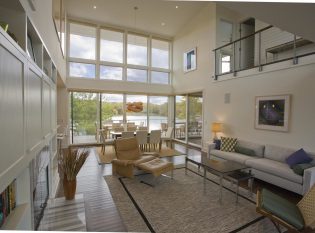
x=264 y=47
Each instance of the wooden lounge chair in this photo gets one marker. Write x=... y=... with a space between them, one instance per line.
x=296 y=218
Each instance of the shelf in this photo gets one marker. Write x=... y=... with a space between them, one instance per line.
x=12 y=13
x=34 y=45
x=15 y=218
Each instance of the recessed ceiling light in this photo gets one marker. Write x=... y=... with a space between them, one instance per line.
x=163 y=24
x=176 y=7
x=94 y=7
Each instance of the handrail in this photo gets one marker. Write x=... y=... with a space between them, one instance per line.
x=244 y=37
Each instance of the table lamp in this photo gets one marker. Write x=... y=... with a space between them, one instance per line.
x=215 y=128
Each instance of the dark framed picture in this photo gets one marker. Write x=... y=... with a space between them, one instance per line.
x=30 y=50
x=272 y=112
x=190 y=62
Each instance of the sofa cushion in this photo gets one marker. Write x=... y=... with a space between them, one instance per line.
x=228 y=144
x=277 y=153
x=244 y=150
x=299 y=168
x=300 y=156
x=232 y=156
x=258 y=148
x=274 y=167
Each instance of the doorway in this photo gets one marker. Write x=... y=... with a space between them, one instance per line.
x=247 y=45
x=189 y=118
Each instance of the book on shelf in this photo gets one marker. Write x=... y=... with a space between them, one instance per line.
x=7 y=202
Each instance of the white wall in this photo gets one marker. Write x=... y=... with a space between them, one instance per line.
x=238 y=116
x=43 y=21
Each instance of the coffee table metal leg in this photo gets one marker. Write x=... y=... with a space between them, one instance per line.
x=186 y=162
x=204 y=175
x=237 y=187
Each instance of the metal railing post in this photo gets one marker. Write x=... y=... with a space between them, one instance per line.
x=295 y=59
x=259 y=52
x=234 y=61
x=215 y=65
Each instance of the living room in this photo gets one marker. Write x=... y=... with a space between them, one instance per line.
x=195 y=72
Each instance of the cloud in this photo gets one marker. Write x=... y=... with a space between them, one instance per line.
x=82 y=70
x=113 y=73
x=111 y=51
x=82 y=47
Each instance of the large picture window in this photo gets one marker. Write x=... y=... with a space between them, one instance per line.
x=137 y=50
x=82 y=41
x=112 y=46
x=160 y=54
x=92 y=111
x=121 y=55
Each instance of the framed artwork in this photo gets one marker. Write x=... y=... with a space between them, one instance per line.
x=190 y=61
x=272 y=112
x=30 y=50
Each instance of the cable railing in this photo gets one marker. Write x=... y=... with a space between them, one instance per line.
x=266 y=46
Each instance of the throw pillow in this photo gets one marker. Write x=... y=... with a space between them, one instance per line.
x=297 y=157
x=217 y=143
x=244 y=150
x=299 y=168
x=228 y=144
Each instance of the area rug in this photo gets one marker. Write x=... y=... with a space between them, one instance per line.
x=110 y=154
x=184 y=204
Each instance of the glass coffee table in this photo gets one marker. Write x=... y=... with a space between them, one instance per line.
x=230 y=170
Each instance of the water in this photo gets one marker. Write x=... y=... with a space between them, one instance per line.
x=154 y=121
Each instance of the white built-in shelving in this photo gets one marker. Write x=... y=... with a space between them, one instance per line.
x=28 y=107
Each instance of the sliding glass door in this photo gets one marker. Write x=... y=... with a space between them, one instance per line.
x=85 y=116
x=180 y=117
x=188 y=118
x=194 y=118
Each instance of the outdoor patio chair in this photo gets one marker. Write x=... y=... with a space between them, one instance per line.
x=168 y=136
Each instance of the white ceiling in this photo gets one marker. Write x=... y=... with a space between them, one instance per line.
x=150 y=14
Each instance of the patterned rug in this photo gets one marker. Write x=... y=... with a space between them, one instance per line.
x=184 y=204
x=109 y=154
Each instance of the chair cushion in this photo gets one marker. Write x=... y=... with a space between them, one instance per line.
x=127 y=149
x=282 y=208
x=144 y=159
x=275 y=168
x=299 y=156
x=228 y=144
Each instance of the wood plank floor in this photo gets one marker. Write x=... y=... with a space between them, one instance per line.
x=100 y=210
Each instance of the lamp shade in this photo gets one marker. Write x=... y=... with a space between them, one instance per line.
x=216 y=127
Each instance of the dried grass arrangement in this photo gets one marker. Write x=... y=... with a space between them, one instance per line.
x=72 y=161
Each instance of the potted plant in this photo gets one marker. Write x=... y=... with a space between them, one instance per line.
x=70 y=164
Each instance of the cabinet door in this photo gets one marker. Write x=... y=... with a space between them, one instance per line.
x=46 y=109
x=11 y=106
x=33 y=100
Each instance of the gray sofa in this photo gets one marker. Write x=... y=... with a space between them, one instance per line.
x=269 y=165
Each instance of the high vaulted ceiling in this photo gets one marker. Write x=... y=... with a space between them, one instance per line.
x=154 y=16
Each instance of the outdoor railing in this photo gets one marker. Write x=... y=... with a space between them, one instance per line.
x=266 y=46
